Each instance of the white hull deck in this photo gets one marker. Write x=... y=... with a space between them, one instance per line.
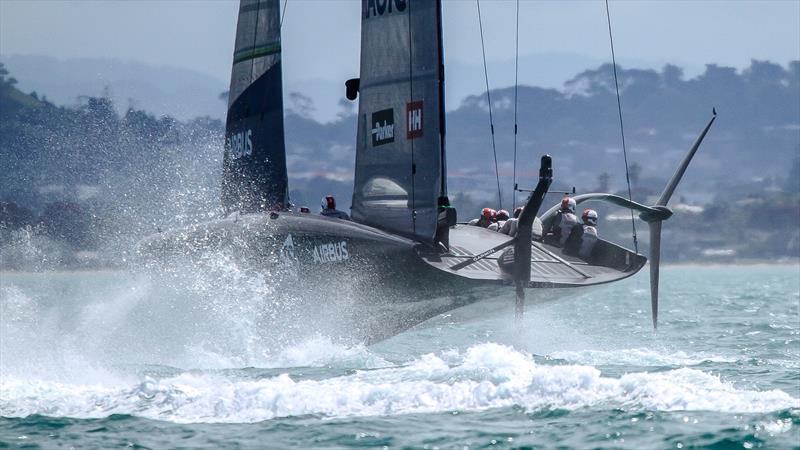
x=550 y=267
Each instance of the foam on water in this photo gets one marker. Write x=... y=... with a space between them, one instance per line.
x=484 y=376
x=318 y=351
x=35 y=343
x=638 y=357
x=213 y=315
x=321 y=351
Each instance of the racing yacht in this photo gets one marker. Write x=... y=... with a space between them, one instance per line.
x=404 y=250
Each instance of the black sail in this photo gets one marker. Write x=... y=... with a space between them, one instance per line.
x=400 y=176
x=254 y=164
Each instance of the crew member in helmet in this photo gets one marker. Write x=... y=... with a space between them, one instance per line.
x=329 y=209
x=510 y=225
x=583 y=237
x=500 y=220
x=563 y=223
x=486 y=218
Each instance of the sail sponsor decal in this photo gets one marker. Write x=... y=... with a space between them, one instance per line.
x=414 y=119
x=381 y=7
x=241 y=143
x=331 y=252
x=382 y=127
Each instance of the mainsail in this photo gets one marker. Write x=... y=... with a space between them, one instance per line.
x=400 y=179
x=254 y=164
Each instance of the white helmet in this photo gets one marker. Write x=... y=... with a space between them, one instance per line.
x=328 y=202
x=568 y=203
x=589 y=217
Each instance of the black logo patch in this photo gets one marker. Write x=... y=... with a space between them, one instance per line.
x=414 y=120
x=382 y=127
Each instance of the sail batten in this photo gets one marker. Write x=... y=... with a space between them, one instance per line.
x=254 y=164
x=256 y=52
x=427 y=76
x=399 y=177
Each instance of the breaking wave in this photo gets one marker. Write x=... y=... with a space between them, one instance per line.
x=484 y=376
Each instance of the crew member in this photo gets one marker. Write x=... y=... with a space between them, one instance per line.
x=510 y=226
x=329 y=209
x=589 y=238
x=500 y=220
x=486 y=218
x=563 y=223
x=583 y=237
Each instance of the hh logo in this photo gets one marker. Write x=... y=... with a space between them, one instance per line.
x=414 y=120
x=382 y=127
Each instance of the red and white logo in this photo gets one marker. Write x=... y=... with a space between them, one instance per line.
x=414 y=120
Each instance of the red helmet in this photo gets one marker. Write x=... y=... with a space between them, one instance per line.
x=568 y=204
x=488 y=213
x=517 y=212
x=589 y=217
x=328 y=202
x=502 y=215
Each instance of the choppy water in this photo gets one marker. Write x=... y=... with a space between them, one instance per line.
x=109 y=359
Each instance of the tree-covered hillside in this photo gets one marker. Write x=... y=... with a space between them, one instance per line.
x=97 y=180
x=757 y=133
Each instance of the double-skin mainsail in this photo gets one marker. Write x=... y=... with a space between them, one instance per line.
x=400 y=176
x=254 y=164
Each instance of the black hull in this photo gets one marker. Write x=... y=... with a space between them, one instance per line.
x=376 y=284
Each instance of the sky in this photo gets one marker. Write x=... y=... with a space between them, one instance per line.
x=321 y=37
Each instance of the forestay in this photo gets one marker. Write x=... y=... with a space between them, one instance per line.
x=254 y=163
x=400 y=173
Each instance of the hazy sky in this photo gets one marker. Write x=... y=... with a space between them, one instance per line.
x=321 y=37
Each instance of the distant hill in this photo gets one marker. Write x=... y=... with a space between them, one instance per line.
x=185 y=94
x=759 y=116
x=133 y=172
x=755 y=139
x=163 y=91
x=756 y=136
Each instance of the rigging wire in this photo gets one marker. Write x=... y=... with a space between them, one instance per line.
x=622 y=129
x=489 y=100
x=411 y=95
x=280 y=28
x=516 y=84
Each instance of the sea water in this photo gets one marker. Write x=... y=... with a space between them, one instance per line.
x=110 y=359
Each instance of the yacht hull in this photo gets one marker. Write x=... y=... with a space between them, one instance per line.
x=374 y=284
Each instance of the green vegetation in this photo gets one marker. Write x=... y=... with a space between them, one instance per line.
x=93 y=182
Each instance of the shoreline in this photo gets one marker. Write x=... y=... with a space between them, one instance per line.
x=783 y=262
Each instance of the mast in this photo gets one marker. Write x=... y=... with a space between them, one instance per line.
x=254 y=176
x=441 y=100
